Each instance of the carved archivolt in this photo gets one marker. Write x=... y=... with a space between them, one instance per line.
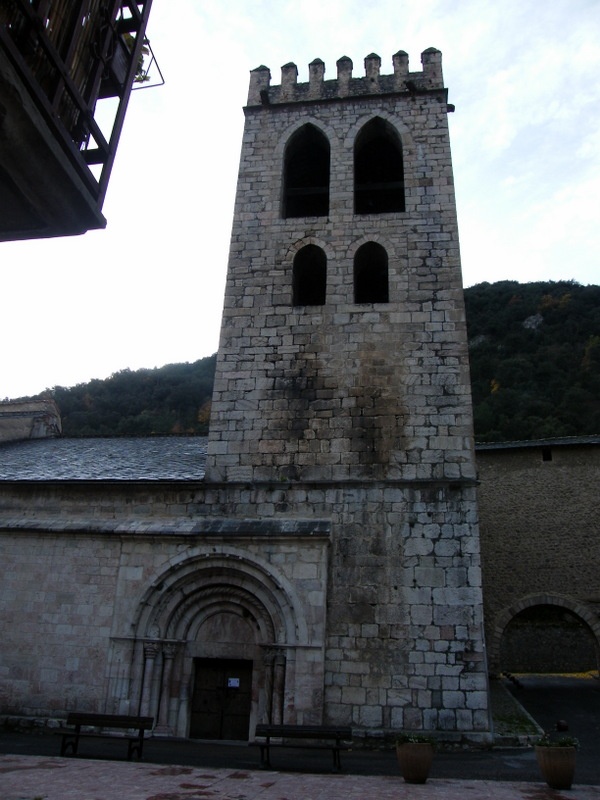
x=202 y=585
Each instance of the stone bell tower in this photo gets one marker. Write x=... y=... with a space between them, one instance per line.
x=342 y=390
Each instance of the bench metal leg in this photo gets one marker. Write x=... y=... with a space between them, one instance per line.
x=70 y=741
x=337 y=765
x=134 y=748
x=265 y=760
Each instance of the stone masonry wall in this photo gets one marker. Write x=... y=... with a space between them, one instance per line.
x=402 y=643
x=539 y=533
x=343 y=390
x=56 y=615
x=76 y=596
x=67 y=569
x=368 y=404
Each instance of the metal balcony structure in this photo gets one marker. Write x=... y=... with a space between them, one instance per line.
x=59 y=61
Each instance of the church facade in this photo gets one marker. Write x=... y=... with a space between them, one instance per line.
x=327 y=568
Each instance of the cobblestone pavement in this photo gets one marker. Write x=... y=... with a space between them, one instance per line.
x=43 y=778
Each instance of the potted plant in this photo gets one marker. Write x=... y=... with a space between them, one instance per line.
x=556 y=759
x=415 y=755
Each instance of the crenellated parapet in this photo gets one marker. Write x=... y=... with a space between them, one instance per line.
x=345 y=85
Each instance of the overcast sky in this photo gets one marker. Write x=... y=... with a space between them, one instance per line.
x=148 y=290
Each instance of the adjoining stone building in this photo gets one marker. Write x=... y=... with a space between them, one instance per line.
x=540 y=542
x=327 y=568
x=29 y=419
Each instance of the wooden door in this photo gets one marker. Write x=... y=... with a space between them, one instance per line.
x=221 y=700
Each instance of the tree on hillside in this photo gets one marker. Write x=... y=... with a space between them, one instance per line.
x=166 y=400
x=535 y=373
x=534 y=351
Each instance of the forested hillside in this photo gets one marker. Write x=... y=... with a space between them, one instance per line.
x=174 y=399
x=535 y=370
x=535 y=359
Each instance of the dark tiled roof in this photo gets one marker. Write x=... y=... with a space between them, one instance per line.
x=148 y=458
x=559 y=441
x=122 y=459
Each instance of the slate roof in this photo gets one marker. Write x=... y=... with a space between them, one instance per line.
x=559 y=441
x=95 y=459
x=161 y=458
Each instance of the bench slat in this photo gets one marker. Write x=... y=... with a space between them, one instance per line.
x=110 y=720
x=334 y=736
x=304 y=731
x=135 y=744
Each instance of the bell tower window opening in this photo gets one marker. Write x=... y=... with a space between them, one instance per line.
x=371 y=283
x=378 y=170
x=309 y=276
x=306 y=174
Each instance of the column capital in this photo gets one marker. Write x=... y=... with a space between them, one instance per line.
x=151 y=649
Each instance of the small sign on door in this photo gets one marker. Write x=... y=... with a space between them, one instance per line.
x=233 y=683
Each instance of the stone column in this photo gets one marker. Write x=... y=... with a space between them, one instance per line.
x=269 y=658
x=278 y=689
x=185 y=689
x=163 y=726
x=151 y=650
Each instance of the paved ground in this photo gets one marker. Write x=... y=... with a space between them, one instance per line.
x=576 y=700
x=188 y=770
x=501 y=765
x=39 y=778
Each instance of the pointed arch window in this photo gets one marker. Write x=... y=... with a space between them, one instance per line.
x=306 y=174
x=378 y=169
x=371 y=284
x=309 y=276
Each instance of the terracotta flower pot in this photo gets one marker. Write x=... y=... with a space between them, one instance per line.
x=557 y=765
x=415 y=760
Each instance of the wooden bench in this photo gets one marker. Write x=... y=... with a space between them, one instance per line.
x=135 y=743
x=321 y=737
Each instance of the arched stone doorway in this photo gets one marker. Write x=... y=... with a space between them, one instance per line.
x=224 y=617
x=553 y=634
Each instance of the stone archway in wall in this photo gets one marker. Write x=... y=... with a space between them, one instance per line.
x=223 y=614
x=545 y=620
